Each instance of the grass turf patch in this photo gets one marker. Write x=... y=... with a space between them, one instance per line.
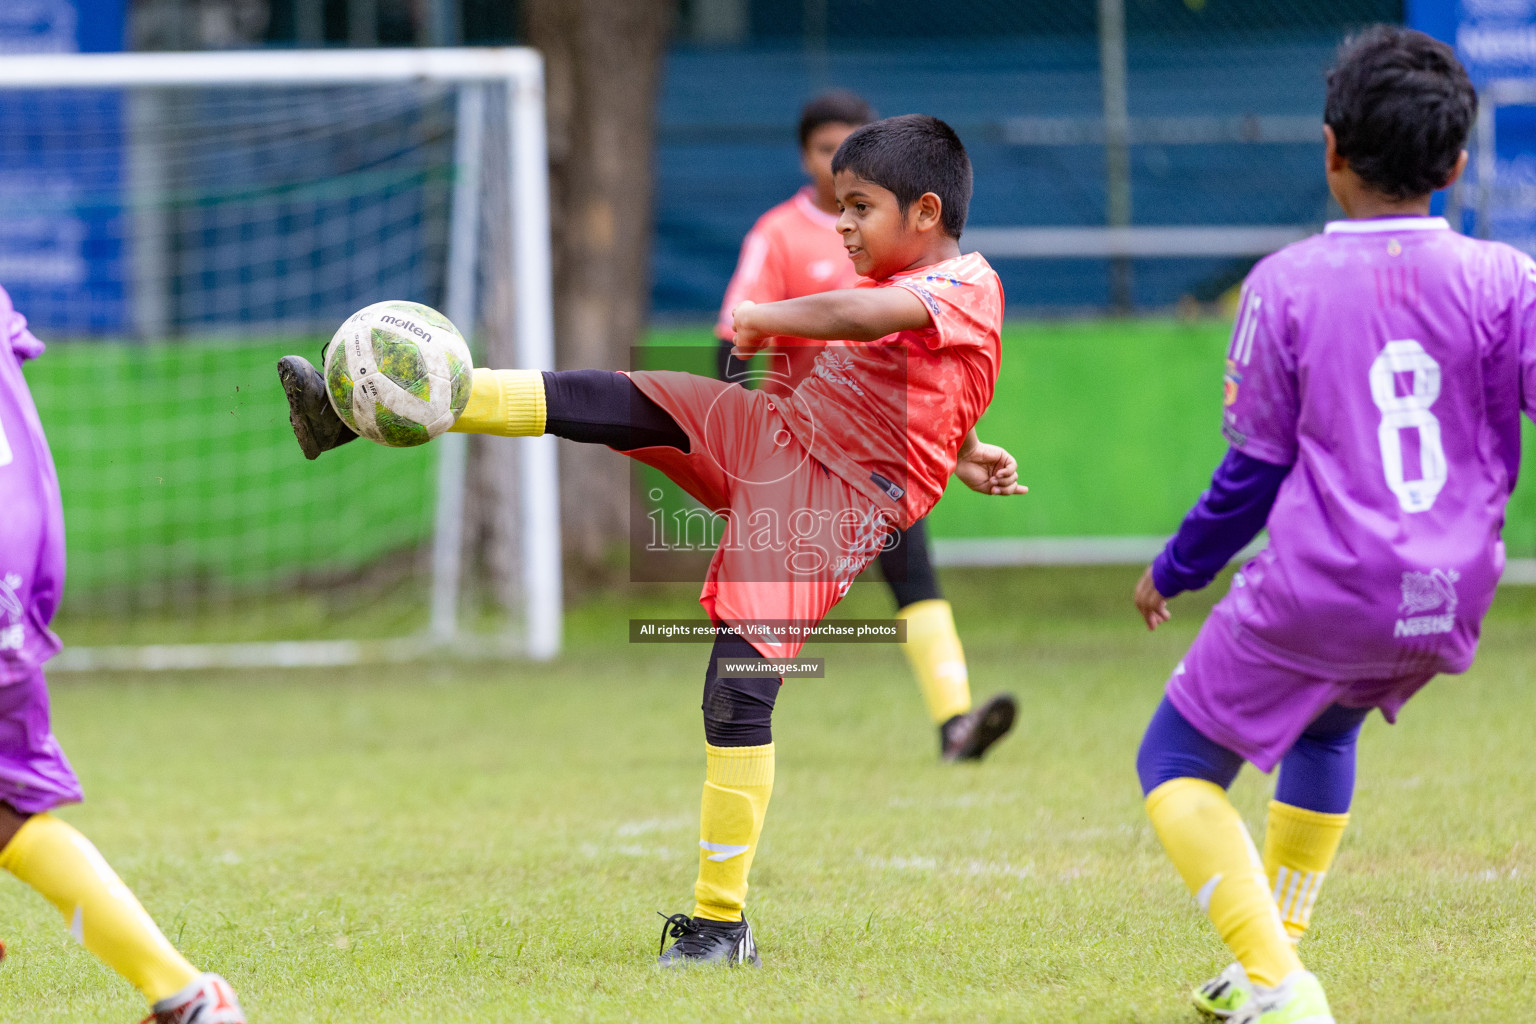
x=490 y=843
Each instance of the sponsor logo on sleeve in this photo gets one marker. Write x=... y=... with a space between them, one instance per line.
x=944 y=281
x=1229 y=383
x=1429 y=603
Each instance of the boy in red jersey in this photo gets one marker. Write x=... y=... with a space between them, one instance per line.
x=795 y=250
x=811 y=484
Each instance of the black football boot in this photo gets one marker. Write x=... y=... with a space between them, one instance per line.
x=702 y=941
x=314 y=421
x=966 y=737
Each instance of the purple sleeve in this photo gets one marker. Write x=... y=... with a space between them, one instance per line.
x=1261 y=401
x=1221 y=524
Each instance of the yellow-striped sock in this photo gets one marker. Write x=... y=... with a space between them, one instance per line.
x=508 y=403
x=1209 y=844
x=937 y=659
x=103 y=915
x=738 y=784
x=1299 y=846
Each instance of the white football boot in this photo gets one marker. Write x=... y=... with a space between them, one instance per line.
x=208 y=1000
x=1299 y=999
x=1225 y=994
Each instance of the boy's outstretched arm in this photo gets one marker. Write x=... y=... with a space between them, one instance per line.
x=987 y=468
x=1227 y=516
x=850 y=314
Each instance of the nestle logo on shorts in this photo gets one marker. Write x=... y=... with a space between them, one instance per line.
x=1424 y=625
x=406 y=325
x=1427 y=592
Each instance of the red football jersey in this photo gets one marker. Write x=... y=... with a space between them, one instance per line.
x=888 y=416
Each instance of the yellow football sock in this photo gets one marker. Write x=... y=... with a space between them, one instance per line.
x=103 y=915
x=508 y=403
x=1208 y=843
x=1298 y=850
x=933 y=649
x=737 y=786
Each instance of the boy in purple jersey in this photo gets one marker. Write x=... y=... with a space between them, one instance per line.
x=1374 y=385
x=35 y=777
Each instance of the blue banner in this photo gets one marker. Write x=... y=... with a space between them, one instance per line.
x=61 y=175
x=1494 y=38
x=1496 y=41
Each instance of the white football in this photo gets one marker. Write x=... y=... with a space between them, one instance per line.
x=398 y=373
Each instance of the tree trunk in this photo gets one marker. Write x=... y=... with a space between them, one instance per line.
x=603 y=67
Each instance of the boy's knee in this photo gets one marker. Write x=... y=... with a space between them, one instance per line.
x=738 y=711
x=1174 y=749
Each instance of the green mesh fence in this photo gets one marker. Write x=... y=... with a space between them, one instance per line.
x=183 y=485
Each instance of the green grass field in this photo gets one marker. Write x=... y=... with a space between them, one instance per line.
x=490 y=844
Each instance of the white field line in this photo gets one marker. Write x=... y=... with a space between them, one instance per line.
x=1519 y=572
x=630 y=829
x=956 y=868
x=987 y=552
x=275 y=654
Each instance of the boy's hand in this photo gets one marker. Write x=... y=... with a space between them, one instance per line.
x=747 y=339
x=1150 y=603
x=988 y=469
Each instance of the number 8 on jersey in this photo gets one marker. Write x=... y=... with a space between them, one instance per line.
x=1410 y=411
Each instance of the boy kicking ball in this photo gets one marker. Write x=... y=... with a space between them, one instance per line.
x=35 y=777
x=812 y=484
x=794 y=250
x=1374 y=387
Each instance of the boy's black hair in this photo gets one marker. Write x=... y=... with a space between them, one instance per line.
x=910 y=155
x=1400 y=105
x=836 y=107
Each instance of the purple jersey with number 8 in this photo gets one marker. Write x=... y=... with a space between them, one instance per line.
x=1387 y=361
x=31 y=515
x=35 y=775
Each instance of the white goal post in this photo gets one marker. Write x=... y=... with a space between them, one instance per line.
x=473 y=72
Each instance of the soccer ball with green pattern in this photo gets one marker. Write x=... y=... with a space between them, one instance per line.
x=398 y=373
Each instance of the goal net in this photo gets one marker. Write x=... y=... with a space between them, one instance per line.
x=171 y=224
